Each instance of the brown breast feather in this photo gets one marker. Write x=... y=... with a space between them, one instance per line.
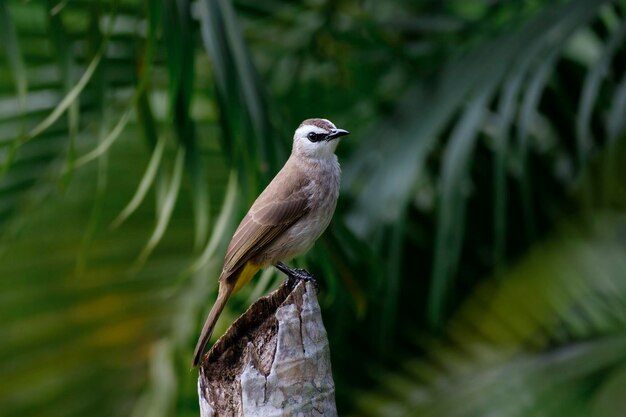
x=280 y=205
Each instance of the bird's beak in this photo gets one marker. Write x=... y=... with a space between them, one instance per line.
x=337 y=133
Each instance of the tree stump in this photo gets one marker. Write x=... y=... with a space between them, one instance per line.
x=273 y=361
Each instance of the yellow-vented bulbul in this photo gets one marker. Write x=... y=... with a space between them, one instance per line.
x=286 y=219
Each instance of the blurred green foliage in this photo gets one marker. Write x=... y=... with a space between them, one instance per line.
x=476 y=264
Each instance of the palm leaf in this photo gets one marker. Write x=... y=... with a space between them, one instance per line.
x=97 y=314
x=243 y=112
x=527 y=332
x=415 y=134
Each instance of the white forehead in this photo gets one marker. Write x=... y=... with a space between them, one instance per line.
x=303 y=131
x=306 y=129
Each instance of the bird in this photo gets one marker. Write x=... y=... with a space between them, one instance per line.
x=286 y=218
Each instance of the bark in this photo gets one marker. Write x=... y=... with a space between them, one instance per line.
x=273 y=361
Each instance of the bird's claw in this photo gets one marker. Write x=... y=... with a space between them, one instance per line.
x=306 y=276
x=294 y=276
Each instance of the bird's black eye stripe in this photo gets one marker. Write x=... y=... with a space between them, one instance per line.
x=315 y=137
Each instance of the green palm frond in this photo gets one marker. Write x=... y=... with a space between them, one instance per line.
x=514 y=71
x=548 y=333
x=545 y=337
x=243 y=113
x=83 y=326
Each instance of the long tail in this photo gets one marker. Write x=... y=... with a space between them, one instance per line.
x=225 y=290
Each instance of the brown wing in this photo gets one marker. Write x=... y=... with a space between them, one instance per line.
x=282 y=203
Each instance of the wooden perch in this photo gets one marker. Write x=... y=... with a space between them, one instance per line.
x=273 y=361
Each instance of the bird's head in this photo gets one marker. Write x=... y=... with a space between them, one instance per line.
x=317 y=138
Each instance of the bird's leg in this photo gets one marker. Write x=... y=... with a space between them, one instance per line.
x=296 y=275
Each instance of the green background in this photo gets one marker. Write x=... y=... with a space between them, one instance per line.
x=476 y=264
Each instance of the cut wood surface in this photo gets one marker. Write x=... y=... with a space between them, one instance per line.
x=273 y=361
